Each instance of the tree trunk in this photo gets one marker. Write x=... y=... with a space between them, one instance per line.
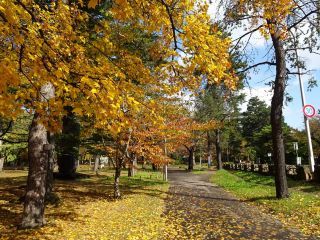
x=2 y=158
x=209 y=150
x=218 y=149
x=130 y=169
x=34 y=202
x=194 y=158
x=165 y=172
x=135 y=165
x=132 y=166
x=33 y=213
x=1 y=163
x=109 y=162
x=113 y=163
x=117 y=175
x=143 y=163
x=228 y=157
x=276 y=118
x=154 y=167
x=68 y=144
x=51 y=163
x=96 y=163
x=190 y=159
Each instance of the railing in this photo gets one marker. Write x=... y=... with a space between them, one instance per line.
x=300 y=172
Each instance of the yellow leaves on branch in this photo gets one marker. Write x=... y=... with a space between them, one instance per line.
x=93 y=68
x=207 y=50
x=272 y=14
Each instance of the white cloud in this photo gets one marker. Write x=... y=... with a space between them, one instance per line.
x=312 y=60
x=215 y=11
x=263 y=93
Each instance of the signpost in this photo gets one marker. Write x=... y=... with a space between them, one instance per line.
x=309 y=111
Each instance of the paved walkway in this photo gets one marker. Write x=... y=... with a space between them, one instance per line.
x=196 y=209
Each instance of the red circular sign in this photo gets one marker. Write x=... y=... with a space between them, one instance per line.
x=309 y=111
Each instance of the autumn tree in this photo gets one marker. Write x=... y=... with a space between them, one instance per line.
x=277 y=21
x=84 y=65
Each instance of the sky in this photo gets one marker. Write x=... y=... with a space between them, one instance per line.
x=293 y=113
x=257 y=49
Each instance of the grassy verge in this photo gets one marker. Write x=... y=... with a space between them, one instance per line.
x=301 y=210
x=87 y=210
x=201 y=170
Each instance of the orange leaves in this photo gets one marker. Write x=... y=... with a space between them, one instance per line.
x=93 y=3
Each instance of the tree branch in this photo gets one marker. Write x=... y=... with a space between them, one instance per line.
x=7 y=129
x=257 y=65
x=302 y=19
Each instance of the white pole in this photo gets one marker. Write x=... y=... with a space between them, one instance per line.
x=306 y=120
x=165 y=167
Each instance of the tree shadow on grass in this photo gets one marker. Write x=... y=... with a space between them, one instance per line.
x=257 y=179
x=72 y=193
x=311 y=189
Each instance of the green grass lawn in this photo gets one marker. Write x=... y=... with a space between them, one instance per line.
x=301 y=210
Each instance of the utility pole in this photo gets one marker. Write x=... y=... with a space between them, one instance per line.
x=306 y=120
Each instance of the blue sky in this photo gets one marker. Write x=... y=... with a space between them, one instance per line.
x=293 y=110
x=258 y=50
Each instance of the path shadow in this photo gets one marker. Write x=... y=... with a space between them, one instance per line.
x=260 y=199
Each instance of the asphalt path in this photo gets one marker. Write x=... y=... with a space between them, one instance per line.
x=197 y=209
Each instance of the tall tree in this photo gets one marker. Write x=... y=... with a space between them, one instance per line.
x=222 y=105
x=254 y=120
x=277 y=21
x=38 y=156
x=255 y=117
x=91 y=70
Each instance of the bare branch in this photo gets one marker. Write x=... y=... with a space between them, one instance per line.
x=257 y=65
x=302 y=19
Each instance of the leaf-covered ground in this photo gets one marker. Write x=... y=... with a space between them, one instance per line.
x=87 y=210
x=192 y=208
x=301 y=210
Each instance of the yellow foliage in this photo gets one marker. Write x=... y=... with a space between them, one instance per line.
x=91 y=67
x=272 y=14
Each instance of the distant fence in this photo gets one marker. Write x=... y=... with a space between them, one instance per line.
x=300 y=172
